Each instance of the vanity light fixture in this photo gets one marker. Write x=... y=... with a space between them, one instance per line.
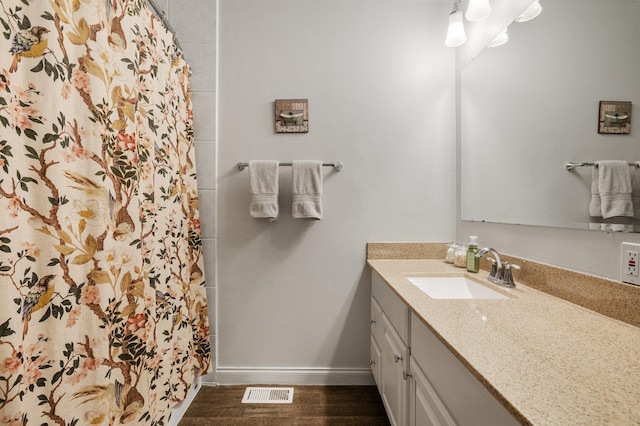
x=500 y=39
x=531 y=12
x=455 y=33
x=477 y=10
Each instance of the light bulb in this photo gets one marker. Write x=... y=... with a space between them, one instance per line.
x=531 y=12
x=477 y=10
x=500 y=39
x=455 y=32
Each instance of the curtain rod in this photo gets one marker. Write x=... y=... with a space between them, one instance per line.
x=163 y=17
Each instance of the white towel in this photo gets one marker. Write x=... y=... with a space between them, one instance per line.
x=307 y=189
x=263 y=180
x=595 y=205
x=635 y=188
x=614 y=187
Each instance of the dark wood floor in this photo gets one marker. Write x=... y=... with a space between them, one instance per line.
x=312 y=405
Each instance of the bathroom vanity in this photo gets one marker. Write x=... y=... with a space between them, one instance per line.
x=421 y=382
x=529 y=358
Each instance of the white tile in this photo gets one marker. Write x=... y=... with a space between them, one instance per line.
x=202 y=59
x=206 y=164
x=207 y=198
x=204 y=108
x=194 y=20
x=211 y=307
x=209 y=247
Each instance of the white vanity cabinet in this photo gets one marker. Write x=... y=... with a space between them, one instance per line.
x=389 y=344
x=420 y=380
x=459 y=393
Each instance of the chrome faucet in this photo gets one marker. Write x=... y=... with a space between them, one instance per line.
x=501 y=272
x=507 y=279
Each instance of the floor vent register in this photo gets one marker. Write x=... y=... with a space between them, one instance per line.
x=261 y=395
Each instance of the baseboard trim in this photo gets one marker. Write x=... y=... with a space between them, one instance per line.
x=294 y=376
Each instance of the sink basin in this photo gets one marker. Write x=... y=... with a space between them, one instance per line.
x=454 y=288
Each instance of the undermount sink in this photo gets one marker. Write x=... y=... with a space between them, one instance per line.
x=457 y=287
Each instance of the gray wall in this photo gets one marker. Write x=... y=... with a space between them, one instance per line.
x=294 y=295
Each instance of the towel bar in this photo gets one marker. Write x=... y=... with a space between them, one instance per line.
x=337 y=165
x=570 y=165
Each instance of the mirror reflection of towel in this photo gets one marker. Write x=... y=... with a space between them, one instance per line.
x=614 y=186
x=635 y=193
x=595 y=205
x=611 y=191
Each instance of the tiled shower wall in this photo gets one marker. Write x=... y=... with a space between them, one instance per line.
x=194 y=22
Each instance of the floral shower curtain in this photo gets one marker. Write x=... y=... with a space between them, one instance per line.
x=103 y=316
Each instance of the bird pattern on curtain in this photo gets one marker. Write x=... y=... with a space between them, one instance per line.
x=103 y=314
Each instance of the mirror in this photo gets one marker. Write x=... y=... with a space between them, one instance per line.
x=531 y=105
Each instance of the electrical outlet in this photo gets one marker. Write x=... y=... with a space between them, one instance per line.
x=631 y=260
x=629 y=267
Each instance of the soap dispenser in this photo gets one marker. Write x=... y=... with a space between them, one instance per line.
x=473 y=263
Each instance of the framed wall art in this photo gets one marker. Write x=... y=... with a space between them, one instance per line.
x=292 y=115
x=614 y=117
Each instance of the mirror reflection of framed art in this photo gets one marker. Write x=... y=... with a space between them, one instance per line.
x=614 y=118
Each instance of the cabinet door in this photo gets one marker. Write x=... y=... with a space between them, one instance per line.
x=393 y=373
x=376 y=321
x=425 y=407
x=376 y=356
x=468 y=401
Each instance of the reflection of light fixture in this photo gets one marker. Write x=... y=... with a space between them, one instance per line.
x=531 y=12
x=500 y=39
x=455 y=32
x=477 y=10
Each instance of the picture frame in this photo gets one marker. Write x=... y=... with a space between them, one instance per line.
x=292 y=115
x=614 y=117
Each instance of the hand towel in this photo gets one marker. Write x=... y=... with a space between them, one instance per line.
x=595 y=205
x=263 y=179
x=614 y=187
x=307 y=189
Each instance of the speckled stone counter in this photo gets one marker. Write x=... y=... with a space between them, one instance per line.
x=548 y=361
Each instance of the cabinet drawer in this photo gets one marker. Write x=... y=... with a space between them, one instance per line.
x=468 y=401
x=376 y=358
x=392 y=306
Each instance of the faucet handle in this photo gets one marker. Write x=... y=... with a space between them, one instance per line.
x=494 y=267
x=508 y=275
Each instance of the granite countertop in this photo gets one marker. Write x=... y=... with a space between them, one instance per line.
x=548 y=361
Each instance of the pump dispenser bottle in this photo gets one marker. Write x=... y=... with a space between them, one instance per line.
x=473 y=263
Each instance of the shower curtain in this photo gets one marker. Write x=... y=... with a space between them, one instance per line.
x=103 y=315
